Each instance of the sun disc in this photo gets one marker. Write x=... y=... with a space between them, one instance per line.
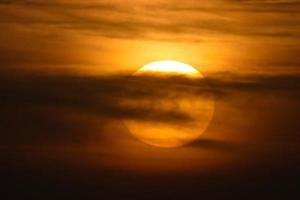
x=175 y=133
x=169 y=67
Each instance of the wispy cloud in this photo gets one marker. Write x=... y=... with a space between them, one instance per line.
x=137 y=20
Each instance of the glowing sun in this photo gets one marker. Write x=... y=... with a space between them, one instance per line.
x=198 y=107
x=169 y=67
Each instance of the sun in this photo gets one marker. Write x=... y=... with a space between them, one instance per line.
x=199 y=108
x=169 y=67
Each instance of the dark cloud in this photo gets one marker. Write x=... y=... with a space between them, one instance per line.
x=100 y=96
x=282 y=83
x=211 y=144
x=48 y=103
x=104 y=95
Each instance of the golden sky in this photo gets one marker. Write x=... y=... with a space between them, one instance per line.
x=66 y=70
x=108 y=36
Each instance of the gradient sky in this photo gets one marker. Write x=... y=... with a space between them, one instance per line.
x=95 y=36
x=65 y=70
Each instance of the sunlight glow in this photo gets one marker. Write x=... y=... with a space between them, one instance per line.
x=170 y=67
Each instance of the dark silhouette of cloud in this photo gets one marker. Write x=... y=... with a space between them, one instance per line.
x=104 y=95
x=262 y=83
x=100 y=95
x=211 y=144
x=45 y=105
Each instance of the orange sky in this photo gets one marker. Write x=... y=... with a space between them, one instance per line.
x=93 y=37
x=66 y=68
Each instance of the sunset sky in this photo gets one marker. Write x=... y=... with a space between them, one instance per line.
x=67 y=92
